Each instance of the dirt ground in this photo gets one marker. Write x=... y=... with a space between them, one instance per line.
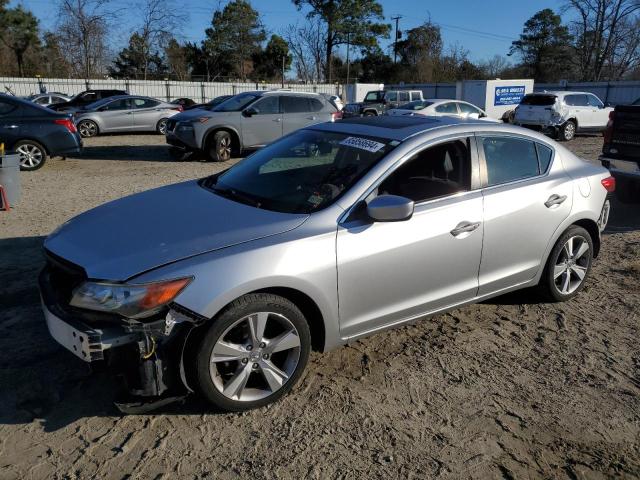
x=511 y=388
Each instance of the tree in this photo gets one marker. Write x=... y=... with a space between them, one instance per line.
x=495 y=67
x=359 y=21
x=53 y=61
x=420 y=52
x=268 y=62
x=82 y=29
x=176 y=59
x=235 y=35
x=19 y=32
x=307 y=46
x=607 y=37
x=543 y=47
x=136 y=61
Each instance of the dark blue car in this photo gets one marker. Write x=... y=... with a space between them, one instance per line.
x=35 y=132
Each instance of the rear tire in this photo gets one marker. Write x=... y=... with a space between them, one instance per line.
x=220 y=147
x=253 y=353
x=32 y=155
x=369 y=113
x=567 y=131
x=568 y=265
x=88 y=128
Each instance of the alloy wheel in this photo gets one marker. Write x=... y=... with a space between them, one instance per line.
x=224 y=148
x=30 y=155
x=571 y=265
x=255 y=356
x=162 y=126
x=87 y=129
x=569 y=131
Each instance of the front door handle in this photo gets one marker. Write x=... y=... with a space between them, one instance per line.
x=464 y=227
x=10 y=126
x=555 y=200
x=129 y=113
x=277 y=120
x=311 y=118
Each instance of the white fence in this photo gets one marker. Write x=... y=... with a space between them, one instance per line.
x=166 y=90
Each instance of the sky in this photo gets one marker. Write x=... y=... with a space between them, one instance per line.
x=483 y=27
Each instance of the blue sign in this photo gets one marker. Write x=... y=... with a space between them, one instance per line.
x=508 y=95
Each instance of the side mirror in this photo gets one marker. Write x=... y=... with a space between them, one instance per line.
x=390 y=208
x=250 y=112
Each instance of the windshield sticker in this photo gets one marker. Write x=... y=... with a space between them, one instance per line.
x=362 y=144
x=315 y=200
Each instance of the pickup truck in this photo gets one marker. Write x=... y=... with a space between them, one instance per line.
x=621 y=151
x=377 y=102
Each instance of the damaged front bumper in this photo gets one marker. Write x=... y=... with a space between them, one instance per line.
x=148 y=356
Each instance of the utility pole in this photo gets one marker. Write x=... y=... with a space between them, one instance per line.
x=283 y=71
x=348 y=48
x=395 y=41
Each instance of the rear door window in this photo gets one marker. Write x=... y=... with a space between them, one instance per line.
x=576 y=100
x=315 y=104
x=391 y=96
x=509 y=159
x=403 y=96
x=291 y=104
x=145 y=103
x=594 y=101
x=467 y=109
x=122 y=104
x=448 y=107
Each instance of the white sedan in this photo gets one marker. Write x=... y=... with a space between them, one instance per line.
x=434 y=107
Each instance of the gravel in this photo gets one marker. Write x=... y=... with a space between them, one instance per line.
x=511 y=388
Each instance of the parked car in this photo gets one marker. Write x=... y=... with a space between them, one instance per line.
x=339 y=230
x=35 y=132
x=247 y=121
x=211 y=103
x=125 y=113
x=183 y=102
x=440 y=107
x=83 y=99
x=621 y=151
x=46 y=99
x=562 y=114
x=378 y=102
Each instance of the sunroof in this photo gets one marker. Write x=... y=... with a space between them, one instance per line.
x=392 y=121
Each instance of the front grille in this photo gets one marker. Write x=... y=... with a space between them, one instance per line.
x=64 y=277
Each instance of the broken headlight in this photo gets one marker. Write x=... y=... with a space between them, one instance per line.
x=132 y=301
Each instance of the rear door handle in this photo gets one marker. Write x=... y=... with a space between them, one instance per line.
x=10 y=126
x=311 y=118
x=464 y=227
x=129 y=113
x=555 y=200
x=277 y=120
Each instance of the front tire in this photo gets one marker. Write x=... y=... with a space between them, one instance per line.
x=220 y=147
x=567 y=131
x=32 y=155
x=253 y=353
x=568 y=265
x=88 y=128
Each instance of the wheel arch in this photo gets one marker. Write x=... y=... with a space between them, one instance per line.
x=591 y=227
x=235 y=138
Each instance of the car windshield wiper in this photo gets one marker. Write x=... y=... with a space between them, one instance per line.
x=236 y=195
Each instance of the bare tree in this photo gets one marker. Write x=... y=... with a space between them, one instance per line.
x=606 y=36
x=495 y=66
x=82 y=31
x=307 y=45
x=159 y=25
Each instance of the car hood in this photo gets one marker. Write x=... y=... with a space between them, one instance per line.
x=126 y=237
x=200 y=112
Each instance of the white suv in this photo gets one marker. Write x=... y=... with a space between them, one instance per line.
x=562 y=113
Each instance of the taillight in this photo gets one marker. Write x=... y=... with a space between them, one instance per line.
x=67 y=123
x=336 y=116
x=609 y=184
x=608 y=131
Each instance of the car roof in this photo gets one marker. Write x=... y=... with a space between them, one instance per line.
x=393 y=127
x=284 y=90
x=560 y=93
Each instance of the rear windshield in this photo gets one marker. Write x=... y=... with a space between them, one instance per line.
x=538 y=100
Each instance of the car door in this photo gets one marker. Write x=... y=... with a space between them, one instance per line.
x=391 y=100
x=10 y=123
x=298 y=112
x=265 y=125
x=579 y=109
x=146 y=114
x=599 y=114
x=525 y=201
x=393 y=271
x=116 y=115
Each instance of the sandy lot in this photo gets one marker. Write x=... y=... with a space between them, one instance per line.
x=508 y=389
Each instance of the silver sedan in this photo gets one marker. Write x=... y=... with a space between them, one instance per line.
x=224 y=285
x=125 y=113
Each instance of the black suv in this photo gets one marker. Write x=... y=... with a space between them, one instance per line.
x=85 y=98
x=377 y=102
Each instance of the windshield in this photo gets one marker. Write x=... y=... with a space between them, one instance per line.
x=417 y=105
x=302 y=173
x=235 y=103
x=538 y=100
